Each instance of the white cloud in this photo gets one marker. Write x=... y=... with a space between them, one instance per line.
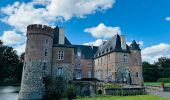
x=77 y=8
x=20 y=48
x=167 y=18
x=102 y=31
x=98 y=42
x=21 y=14
x=12 y=38
x=151 y=54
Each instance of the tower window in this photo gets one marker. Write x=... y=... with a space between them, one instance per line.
x=44 y=65
x=46 y=52
x=137 y=74
x=60 y=71
x=46 y=41
x=125 y=59
x=60 y=55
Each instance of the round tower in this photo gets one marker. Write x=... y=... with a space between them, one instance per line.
x=38 y=60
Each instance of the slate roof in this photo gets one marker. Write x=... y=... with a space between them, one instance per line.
x=56 y=37
x=86 y=51
x=113 y=45
x=134 y=46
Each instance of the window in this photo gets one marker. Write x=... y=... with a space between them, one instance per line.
x=44 y=65
x=89 y=74
x=46 y=41
x=60 y=55
x=137 y=74
x=45 y=52
x=125 y=59
x=60 y=71
x=101 y=61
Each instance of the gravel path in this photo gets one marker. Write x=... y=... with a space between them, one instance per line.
x=159 y=93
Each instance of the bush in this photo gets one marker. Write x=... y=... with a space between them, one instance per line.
x=111 y=85
x=164 y=80
x=70 y=92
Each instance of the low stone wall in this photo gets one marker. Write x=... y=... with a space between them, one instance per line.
x=167 y=89
x=125 y=91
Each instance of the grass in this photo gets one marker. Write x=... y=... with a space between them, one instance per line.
x=155 y=84
x=141 y=97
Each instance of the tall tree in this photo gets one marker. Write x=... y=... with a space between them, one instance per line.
x=9 y=63
x=150 y=72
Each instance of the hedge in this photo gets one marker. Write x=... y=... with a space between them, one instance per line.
x=165 y=80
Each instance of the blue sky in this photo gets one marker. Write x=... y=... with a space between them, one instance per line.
x=146 y=21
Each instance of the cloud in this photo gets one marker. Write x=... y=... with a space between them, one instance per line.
x=20 y=48
x=167 y=18
x=151 y=54
x=12 y=38
x=103 y=31
x=98 y=42
x=77 y=8
x=20 y=14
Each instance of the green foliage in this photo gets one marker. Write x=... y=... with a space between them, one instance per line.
x=155 y=84
x=10 y=65
x=164 y=80
x=54 y=88
x=141 y=97
x=111 y=85
x=160 y=69
x=70 y=92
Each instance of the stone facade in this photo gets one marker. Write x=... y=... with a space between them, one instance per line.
x=115 y=64
x=48 y=52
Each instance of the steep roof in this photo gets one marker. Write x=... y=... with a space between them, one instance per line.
x=86 y=51
x=113 y=45
x=56 y=37
x=134 y=46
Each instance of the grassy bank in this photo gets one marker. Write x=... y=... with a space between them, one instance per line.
x=155 y=84
x=141 y=97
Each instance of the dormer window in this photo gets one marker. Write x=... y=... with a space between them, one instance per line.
x=107 y=50
x=110 y=48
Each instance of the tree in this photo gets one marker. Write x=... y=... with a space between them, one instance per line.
x=150 y=72
x=54 y=87
x=10 y=65
x=164 y=67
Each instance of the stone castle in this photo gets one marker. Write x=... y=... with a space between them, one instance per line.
x=49 y=52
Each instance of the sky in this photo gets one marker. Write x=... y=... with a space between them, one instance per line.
x=91 y=21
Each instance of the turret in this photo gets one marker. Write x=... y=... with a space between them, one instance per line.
x=38 y=59
x=136 y=61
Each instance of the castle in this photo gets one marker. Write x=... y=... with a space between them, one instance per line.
x=49 y=52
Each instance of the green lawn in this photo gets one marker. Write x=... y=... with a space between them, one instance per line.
x=141 y=97
x=155 y=84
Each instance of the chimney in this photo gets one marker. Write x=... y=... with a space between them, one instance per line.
x=61 y=36
x=123 y=42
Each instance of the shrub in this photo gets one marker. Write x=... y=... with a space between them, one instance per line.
x=164 y=80
x=111 y=85
x=52 y=95
x=70 y=92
